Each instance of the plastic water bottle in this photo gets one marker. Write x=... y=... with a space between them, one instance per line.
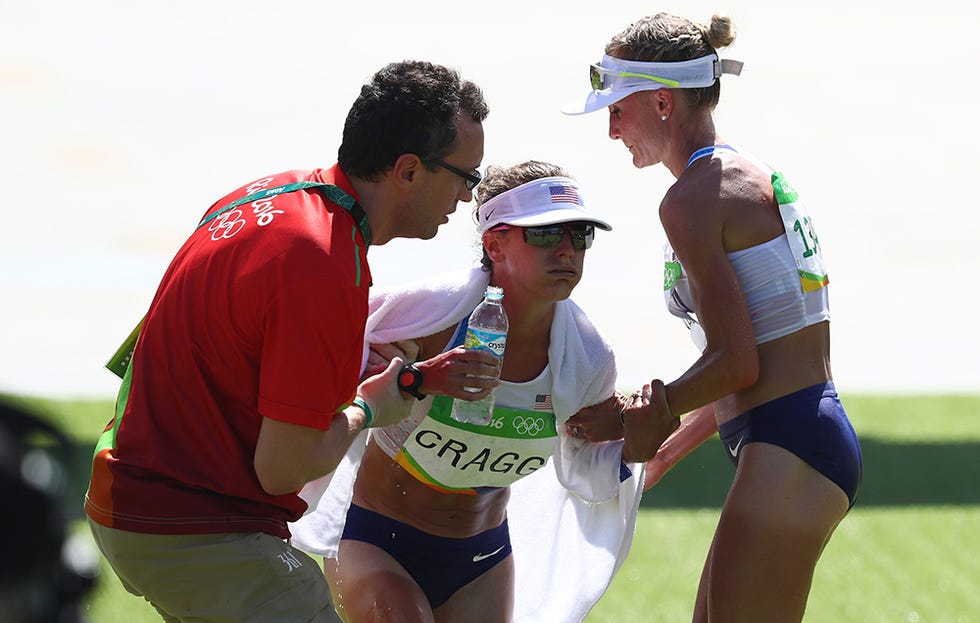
x=487 y=330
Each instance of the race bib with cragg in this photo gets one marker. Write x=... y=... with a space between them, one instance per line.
x=457 y=457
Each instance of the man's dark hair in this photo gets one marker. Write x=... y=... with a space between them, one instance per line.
x=409 y=107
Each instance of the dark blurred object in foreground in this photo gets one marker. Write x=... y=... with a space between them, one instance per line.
x=44 y=572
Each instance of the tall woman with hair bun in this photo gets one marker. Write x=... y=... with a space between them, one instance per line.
x=745 y=272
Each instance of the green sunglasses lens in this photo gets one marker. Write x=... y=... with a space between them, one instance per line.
x=595 y=77
x=549 y=236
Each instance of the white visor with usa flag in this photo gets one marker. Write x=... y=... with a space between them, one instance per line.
x=544 y=201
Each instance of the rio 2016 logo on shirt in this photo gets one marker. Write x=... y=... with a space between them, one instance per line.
x=263 y=210
x=231 y=222
x=263 y=207
x=226 y=225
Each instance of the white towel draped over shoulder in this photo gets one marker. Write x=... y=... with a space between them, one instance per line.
x=571 y=526
x=423 y=307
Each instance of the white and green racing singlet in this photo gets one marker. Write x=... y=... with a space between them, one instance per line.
x=784 y=280
x=457 y=457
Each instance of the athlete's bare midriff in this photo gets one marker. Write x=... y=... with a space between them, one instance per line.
x=385 y=487
x=786 y=365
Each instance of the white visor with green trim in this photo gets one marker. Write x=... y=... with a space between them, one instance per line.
x=615 y=78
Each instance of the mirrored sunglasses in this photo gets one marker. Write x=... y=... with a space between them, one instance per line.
x=596 y=73
x=550 y=236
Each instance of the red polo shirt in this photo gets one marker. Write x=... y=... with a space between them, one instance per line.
x=260 y=314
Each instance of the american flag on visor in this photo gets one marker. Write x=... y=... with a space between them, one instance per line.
x=564 y=194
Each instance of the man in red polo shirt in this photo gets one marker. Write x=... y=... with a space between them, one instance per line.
x=244 y=381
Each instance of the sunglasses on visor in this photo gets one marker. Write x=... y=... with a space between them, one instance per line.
x=596 y=73
x=550 y=236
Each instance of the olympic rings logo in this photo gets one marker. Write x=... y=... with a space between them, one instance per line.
x=227 y=225
x=529 y=426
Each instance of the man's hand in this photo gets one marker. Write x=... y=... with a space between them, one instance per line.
x=387 y=403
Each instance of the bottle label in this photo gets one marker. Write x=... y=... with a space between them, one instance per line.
x=481 y=339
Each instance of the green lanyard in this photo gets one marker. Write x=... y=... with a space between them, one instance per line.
x=119 y=361
x=331 y=192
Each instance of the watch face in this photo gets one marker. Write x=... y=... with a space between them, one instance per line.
x=408 y=378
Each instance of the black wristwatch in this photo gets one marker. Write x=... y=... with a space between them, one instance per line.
x=410 y=380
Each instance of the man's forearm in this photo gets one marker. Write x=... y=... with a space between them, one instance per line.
x=287 y=456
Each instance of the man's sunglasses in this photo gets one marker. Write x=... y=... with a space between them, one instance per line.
x=550 y=236
x=596 y=72
x=470 y=178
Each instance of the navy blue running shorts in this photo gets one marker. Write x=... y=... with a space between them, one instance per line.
x=810 y=423
x=440 y=565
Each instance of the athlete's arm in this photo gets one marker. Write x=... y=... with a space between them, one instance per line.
x=450 y=372
x=696 y=427
x=599 y=422
x=730 y=362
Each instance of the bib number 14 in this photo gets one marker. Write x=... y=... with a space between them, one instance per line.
x=801 y=235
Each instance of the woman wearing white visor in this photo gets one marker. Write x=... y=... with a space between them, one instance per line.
x=449 y=521
x=744 y=271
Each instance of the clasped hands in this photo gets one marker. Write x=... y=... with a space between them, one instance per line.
x=643 y=420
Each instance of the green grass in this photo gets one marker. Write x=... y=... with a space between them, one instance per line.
x=907 y=553
x=887 y=565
